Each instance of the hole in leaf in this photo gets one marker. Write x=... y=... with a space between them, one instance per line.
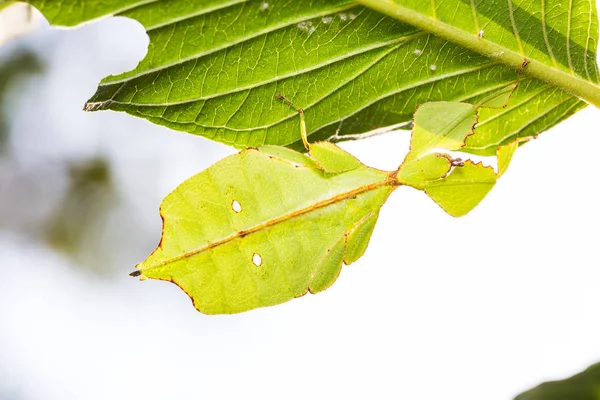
x=257 y=259
x=236 y=206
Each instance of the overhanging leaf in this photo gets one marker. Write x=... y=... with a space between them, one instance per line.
x=213 y=68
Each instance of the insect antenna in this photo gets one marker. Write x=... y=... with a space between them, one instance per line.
x=303 y=133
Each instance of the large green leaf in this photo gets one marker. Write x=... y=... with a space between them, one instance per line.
x=583 y=386
x=214 y=68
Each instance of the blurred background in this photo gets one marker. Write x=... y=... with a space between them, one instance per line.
x=488 y=305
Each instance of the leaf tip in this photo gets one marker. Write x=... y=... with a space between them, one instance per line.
x=93 y=106
x=135 y=273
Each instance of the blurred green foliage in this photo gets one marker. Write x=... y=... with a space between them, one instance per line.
x=13 y=70
x=77 y=225
x=583 y=386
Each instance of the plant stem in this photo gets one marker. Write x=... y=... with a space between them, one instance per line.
x=585 y=90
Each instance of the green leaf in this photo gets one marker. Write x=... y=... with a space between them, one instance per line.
x=214 y=68
x=266 y=225
x=4 y=4
x=583 y=386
